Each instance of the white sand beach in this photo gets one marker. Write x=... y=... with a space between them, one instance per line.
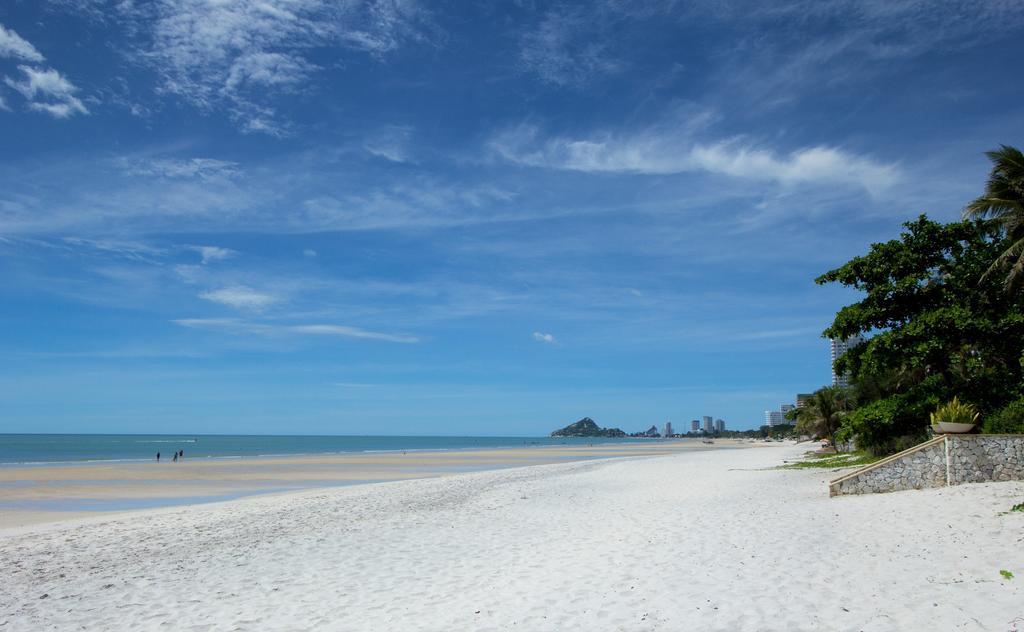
x=713 y=540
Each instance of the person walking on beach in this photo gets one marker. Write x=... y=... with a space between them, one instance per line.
x=175 y=460
x=157 y=457
x=181 y=454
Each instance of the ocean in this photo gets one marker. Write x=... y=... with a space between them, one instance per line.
x=78 y=448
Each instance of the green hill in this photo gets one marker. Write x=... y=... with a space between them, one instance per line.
x=587 y=428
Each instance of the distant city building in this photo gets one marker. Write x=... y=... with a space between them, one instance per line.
x=695 y=425
x=801 y=399
x=719 y=425
x=709 y=424
x=668 y=429
x=774 y=418
x=837 y=349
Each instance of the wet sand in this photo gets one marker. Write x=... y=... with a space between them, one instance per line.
x=34 y=494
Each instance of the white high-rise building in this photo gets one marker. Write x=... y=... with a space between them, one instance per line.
x=719 y=425
x=668 y=429
x=838 y=348
x=709 y=424
x=774 y=418
x=695 y=425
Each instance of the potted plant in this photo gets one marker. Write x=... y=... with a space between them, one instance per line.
x=954 y=417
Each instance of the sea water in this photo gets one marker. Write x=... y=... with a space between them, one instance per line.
x=77 y=448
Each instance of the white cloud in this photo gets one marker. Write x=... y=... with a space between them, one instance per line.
x=240 y=297
x=268 y=70
x=309 y=253
x=128 y=249
x=662 y=150
x=545 y=338
x=236 y=326
x=213 y=253
x=567 y=48
x=234 y=53
x=391 y=143
x=809 y=165
x=48 y=91
x=202 y=168
x=352 y=332
x=13 y=45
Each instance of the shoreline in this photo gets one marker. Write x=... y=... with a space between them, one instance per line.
x=505 y=443
x=33 y=494
x=285 y=455
x=711 y=540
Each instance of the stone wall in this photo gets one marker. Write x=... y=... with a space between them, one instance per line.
x=944 y=460
x=922 y=466
x=983 y=458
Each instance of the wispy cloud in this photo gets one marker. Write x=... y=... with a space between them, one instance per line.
x=13 y=45
x=135 y=250
x=568 y=48
x=665 y=150
x=235 y=53
x=545 y=338
x=48 y=91
x=45 y=89
x=202 y=168
x=391 y=143
x=213 y=253
x=237 y=326
x=351 y=332
x=241 y=297
x=781 y=50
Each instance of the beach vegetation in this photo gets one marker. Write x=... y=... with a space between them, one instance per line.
x=1007 y=420
x=938 y=323
x=1002 y=204
x=833 y=461
x=822 y=413
x=1006 y=574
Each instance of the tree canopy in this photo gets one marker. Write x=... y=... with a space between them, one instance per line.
x=938 y=326
x=1003 y=204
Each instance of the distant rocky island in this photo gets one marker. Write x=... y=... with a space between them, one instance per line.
x=587 y=428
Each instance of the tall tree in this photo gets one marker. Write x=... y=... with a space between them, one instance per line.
x=822 y=413
x=1002 y=203
x=935 y=331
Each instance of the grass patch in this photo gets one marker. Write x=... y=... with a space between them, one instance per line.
x=1006 y=574
x=1019 y=507
x=831 y=461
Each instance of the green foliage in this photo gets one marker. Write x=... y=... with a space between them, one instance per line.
x=955 y=412
x=1007 y=420
x=887 y=425
x=1006 y=574
x=1003 y=204
x=941 y=326
x=822 y=413
x=941 y=330
x=1018 y=507
x=833 y=461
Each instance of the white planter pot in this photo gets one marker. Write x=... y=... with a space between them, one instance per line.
x=950 y=428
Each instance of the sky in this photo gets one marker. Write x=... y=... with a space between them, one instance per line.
x=484 y=218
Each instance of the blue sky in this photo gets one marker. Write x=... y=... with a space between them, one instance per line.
x=400 y=217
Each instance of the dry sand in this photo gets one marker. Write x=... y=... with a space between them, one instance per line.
x=695 y=541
